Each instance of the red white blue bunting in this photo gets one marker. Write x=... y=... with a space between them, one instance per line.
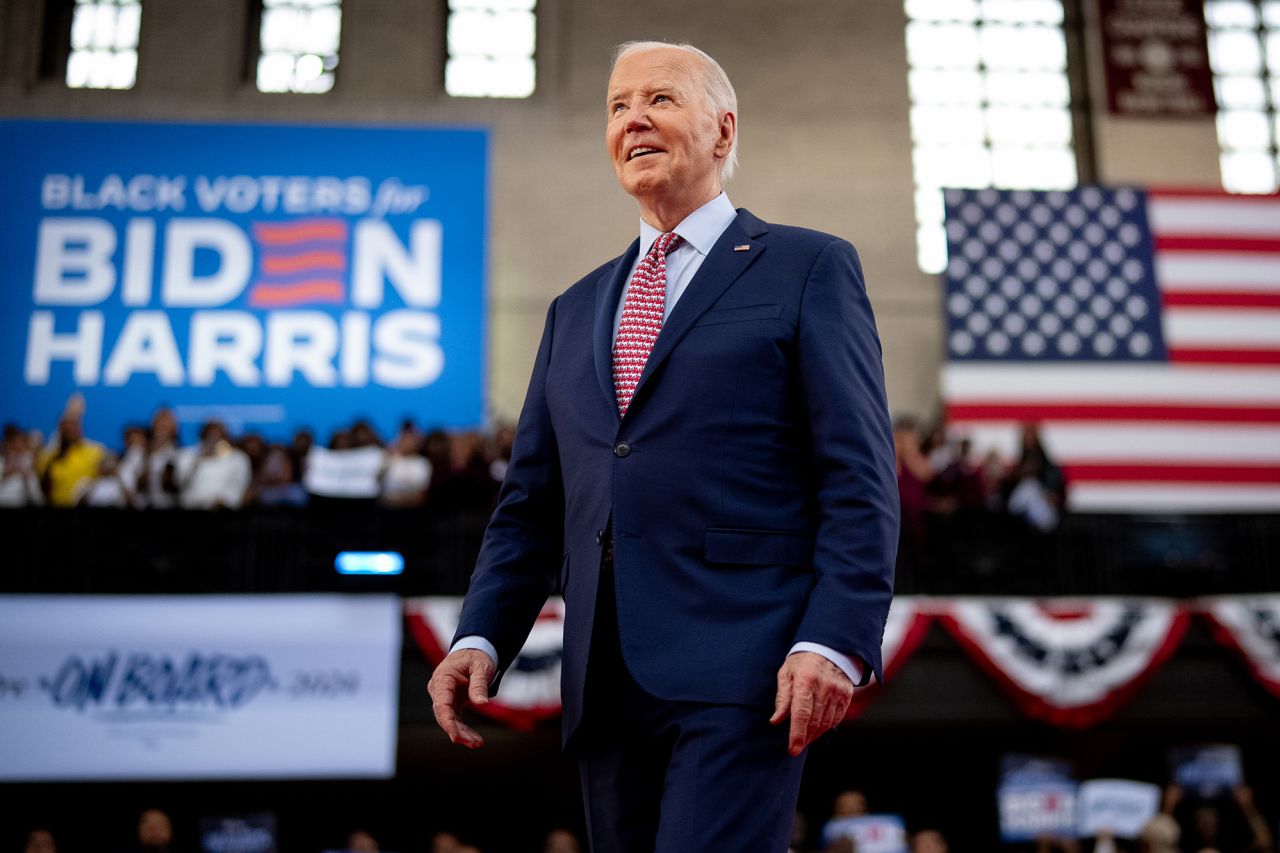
x=908 y=622
x=1069 y=663
x=531 y=686
x=1249 y=625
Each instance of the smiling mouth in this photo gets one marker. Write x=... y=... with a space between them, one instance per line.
x=642 y=151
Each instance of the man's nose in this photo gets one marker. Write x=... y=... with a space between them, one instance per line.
x=638 y=119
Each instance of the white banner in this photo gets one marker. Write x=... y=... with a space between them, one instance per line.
x=198 y=687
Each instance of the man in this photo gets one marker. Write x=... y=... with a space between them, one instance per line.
x=704 y=462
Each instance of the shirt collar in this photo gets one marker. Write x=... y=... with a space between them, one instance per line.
x=699 y=229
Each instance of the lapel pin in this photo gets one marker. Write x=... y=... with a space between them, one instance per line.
x=745 y=247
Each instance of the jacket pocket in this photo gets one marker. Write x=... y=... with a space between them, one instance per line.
x=759 y=547
x=739 y=315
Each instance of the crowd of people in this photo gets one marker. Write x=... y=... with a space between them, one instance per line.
x=150 y=468
x=155 y=834
x=940 y=474
x=1230 y=823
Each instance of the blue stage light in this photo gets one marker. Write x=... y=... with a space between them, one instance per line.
x=369 y=563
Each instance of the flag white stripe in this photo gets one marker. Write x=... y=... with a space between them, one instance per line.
x=1226 y=328
x=1126 y=498
x=1104 y=383
x=1097 y=442
x=1217 y=271
x=1211 y=217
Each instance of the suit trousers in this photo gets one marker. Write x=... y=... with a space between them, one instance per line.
x=664 y=776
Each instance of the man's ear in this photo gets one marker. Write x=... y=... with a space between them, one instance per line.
x=728 y=128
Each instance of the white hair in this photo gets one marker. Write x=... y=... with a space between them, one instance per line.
x=715 y=86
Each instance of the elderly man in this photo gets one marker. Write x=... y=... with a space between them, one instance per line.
x=704 y=463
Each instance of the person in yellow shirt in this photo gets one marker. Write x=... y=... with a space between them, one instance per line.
x=69 y=463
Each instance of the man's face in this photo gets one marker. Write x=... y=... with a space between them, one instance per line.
x=154 y=829
x=661 y=135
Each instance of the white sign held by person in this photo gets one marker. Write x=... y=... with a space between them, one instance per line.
x=1120 y=807
x=874 y=833
x=208 y=687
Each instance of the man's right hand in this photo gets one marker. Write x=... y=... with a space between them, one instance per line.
x=466 y=670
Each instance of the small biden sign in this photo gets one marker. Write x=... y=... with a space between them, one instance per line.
x=275 y=277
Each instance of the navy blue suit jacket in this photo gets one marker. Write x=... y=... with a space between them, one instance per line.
x=751 y=484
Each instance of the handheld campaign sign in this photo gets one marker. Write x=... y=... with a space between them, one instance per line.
x=273 y=277
x=1118 y=806
x=1037 y=797
x=198 y=687
x=251 y=833
x=876 y=833
x=1207 y=770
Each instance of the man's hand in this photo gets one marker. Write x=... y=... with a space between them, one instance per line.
x=816 y=695
x=468 y=670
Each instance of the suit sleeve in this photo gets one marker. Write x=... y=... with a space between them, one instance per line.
x=521 y=552
x=852 y=459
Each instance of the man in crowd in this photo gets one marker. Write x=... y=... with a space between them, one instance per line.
x=704 y=463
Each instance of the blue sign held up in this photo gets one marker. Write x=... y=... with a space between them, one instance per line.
x=272 y=277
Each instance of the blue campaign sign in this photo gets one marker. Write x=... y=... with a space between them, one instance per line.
x=273 y=277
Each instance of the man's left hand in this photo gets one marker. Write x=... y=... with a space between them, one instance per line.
x=814 y=693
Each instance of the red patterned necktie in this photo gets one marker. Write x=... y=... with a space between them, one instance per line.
x=641 y=319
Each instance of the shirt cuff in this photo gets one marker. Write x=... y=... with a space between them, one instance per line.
x=850 y=666
x=475 y=641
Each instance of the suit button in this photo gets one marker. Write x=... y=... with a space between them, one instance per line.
x=599 y=537
x=621 y=449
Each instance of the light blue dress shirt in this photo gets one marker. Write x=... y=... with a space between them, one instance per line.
x=700 y=230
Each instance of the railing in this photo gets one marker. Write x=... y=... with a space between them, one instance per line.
x=122 y=551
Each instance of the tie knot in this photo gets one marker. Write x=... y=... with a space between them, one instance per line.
x=665 y=243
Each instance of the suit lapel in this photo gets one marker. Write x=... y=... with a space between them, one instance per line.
x=608 y=292
x=724 y=264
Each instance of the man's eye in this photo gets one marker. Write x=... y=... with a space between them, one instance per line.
x=616 y=108
x=660 y=98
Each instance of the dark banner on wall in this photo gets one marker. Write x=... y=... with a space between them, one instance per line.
x=272 y=277
x=1156 y=58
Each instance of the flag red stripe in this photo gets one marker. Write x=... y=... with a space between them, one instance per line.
x=1154 y=472
x=1263 y=245
x=325 y=260
x=1239 y=356
x=300 y=232
x=993 y=410
x=1220 y=300
x=288 y=294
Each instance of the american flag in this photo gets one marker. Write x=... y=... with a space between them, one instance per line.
x=1140 y=329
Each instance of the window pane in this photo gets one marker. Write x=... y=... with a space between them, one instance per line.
x=1249 y=172
x=299 y=45
x=1023 y=47
x=1241 y=129
x=491 y=48
x=104 y=41
x=942 y=45
x=1231 y=13
x=1241 y=92
x=956 y=125
x=1029 y=126
x=1028 y=88
x=953 y=166
x=945 y=87
x=1027 y=11
x=1235 y=52
x=1032 y=168
x=942 y=10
